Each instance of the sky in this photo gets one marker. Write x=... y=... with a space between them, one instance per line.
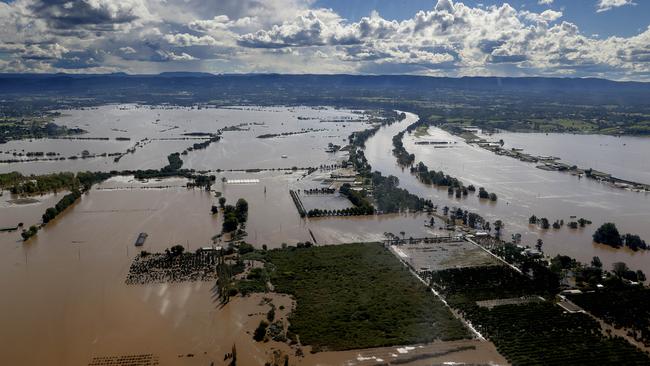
x=560 y=38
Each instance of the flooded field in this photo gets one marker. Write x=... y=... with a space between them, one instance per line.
x=166 y=131
x=624 y=157
x=445 y=255
x=523 y=190
x=84 y=256
x=67 y=284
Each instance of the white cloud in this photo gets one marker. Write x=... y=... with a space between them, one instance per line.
x=187 y=40
x=545 y=2
x=451 y=39
x=604 y=5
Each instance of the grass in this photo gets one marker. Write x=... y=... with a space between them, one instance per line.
x=421 y=131
x=358 y=296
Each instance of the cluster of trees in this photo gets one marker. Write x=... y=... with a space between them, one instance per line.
x=358 y=160
x=544 y=223
x=60 y=206
x=390 y=198
x=26 y=234
x=40 y=183
x=234 y=216
x=175 y=163
x=608 y=234
x=203 y=144
x=201 y=181
x=324 y=190
x=621 y=307
x=524 y=332
x=14 y=129
x=359 y=138
x=362 y=205
x=358 y=199
x=470 y=219
x=272 y=135
x=482 y=193
x=35 y=184
x=370 y=295
x=582 y=222
x=403 y=157
x=438 y=178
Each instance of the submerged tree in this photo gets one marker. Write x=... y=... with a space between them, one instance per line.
x=608 y=234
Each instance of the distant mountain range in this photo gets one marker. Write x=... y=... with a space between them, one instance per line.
x=275 y=87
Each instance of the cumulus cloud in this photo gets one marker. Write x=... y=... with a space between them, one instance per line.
x=450 y=38
x=604 y=5
x=97 y=14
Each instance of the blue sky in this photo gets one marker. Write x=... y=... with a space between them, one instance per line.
x=560 y=38
x=623 y=21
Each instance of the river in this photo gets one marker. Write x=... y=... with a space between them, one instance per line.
x=523 y=190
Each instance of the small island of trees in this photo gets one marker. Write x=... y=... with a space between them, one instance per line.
x=608 y=234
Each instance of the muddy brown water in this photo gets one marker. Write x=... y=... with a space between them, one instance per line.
x=66 y=302
x=236 y=150
x=66 y=292
x=523 y=190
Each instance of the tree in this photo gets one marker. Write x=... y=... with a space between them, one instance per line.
x=214 y=209
x=26 y=234
x=260 y=331
x=50 y=214
x=619 y=269
x=634 y=242
x=493 y=197
x=177 y=250
x=532 y=220
x=497 y=227
x=595 y=262
x=233 y=362
x=544 y=223
x=241 y=210
x=608 y=234
x=539 y=244
x=482 y=193
x=222 y=202
x=230 y=223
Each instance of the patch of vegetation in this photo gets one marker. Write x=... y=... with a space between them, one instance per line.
x=175 y=163
x=358 y=296
x=608 y=234
x=26 y=234
x=534 y=333
x=358 y=199
x=174 y=265
x=543 y=334
x=625 y=306
x=34 y=127
x=438 y=178
x=390 y=198
x=63 y=203
x=467 y=285
x=234 y=216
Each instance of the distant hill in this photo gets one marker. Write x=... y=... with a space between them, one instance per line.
x=187 y=87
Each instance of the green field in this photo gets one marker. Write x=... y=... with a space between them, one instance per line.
x=358 y=296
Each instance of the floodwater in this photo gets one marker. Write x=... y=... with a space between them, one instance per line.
x=68 y=300
x=624 y=157
x=523 y=190
x=65 y=287
x=164 y=127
